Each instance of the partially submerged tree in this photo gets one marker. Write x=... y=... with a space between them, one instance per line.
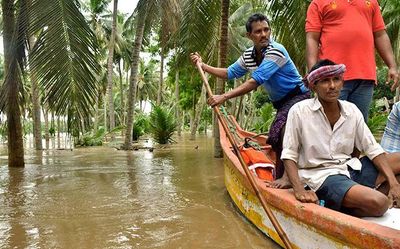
x=63 y=61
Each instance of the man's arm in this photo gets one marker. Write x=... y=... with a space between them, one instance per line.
x=299 y=192
x=383 y=167
x=312 y=48
x=216 y=71
x=384 y=48
x=244 y=88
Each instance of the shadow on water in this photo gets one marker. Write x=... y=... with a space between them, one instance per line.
x=99 y=197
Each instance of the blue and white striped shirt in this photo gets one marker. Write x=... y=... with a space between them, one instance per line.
x=391 y=137
x=277 y=72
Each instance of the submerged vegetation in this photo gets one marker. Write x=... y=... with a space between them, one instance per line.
x=82 y=68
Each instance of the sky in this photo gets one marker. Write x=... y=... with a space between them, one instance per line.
x=125 y=6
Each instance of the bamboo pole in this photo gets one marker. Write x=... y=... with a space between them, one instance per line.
x=250 y=177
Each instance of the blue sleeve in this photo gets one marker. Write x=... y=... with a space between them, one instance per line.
x=236 y=70
x=264 y=72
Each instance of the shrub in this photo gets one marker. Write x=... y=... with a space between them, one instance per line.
x=140 y=127
x=162 y=125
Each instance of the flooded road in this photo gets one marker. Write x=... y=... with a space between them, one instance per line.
x=99 y=197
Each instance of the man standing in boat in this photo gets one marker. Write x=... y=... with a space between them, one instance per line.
x=317 y=151
x=272 y=68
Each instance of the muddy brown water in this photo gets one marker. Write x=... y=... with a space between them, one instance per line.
x=99 y=197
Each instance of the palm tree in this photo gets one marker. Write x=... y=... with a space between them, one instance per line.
x=63 y=60
x=288 y=22
x=36 y=112
x=148 y=80
x=142 y=11
x=110 y=69
x=223 y=49
x=10 y=91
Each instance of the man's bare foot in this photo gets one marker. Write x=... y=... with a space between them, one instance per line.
x=282 y=182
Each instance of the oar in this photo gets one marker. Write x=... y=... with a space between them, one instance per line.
x=264 y=203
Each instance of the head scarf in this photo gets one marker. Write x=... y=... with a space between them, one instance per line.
x=322 y=73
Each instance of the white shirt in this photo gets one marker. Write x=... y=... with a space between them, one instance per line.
x=321 y=151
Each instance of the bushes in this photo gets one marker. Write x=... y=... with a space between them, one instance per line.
x=140 y=127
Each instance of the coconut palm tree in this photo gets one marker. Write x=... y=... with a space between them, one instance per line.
x=63 y=60
x=10 y=91
x=110 y=69
x=142 y=10
x=288 y=22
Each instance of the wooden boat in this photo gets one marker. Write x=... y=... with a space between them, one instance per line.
x=306 y=225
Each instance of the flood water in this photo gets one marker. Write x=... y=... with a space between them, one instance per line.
x=99 y=197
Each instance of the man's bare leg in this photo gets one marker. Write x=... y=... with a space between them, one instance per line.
x=364 y=201
x=394 y=162
x=282 y=182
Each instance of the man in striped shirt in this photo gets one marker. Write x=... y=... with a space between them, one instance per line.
x=270 y=66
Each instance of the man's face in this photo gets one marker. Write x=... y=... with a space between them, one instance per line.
x=328 y=89
x=260 y=33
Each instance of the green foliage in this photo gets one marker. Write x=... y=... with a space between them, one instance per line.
x=190 y=84
x=3 y=130
x=265 y=117
x=383 y=89
x=52 y=131
x=260 y=97
x=140 y=126
x=162 y=125
x=28 y=127
x=64 y=58
x=377 y=122
x=90 y=139
x=377 y=118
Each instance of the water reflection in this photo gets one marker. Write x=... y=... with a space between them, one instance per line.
x=103 y=198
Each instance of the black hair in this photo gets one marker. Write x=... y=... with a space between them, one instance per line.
x=258 y=17
x=322 y=63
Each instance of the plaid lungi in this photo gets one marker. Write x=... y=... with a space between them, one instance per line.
x=274 y=137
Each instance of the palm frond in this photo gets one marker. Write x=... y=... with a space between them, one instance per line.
x=64 y=58
x=199 y=30
x=288 y=22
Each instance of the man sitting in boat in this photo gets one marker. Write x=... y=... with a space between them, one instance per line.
x=272 y=68
x=320 y=136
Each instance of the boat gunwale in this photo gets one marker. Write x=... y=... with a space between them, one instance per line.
x=343 y=227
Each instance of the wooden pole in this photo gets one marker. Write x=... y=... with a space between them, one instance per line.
x=250 y=177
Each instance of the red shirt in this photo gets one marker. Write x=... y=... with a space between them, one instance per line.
x=347 y=28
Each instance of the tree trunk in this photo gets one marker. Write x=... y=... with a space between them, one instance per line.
x=37 y=124
x=134 y=70
x=121 y=86
x=160 y=87
x=236 y=83
x=197 y=113
x=96 y=113
x=177 y=107
x=223 y=48
x=239 y=108
x=58 y=133
x=110 y=70
x=12 y=84
x=46 y=127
